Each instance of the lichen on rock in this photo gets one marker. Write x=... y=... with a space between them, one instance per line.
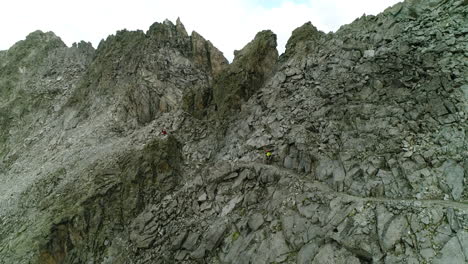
x=250 y=68
x=152 y=148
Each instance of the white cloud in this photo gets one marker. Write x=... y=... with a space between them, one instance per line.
x=229 y=24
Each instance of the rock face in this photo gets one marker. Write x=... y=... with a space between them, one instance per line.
x=249 y=70
x=367 y=127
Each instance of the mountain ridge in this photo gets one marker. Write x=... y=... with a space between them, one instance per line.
x=367 y=127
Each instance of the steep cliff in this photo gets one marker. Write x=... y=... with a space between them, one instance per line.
x=367 y=127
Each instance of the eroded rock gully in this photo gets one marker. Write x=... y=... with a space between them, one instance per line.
x=367 y=127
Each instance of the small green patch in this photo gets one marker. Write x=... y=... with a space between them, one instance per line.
x=292 y=255
x=235 y=236
x=278 y=228
x=243 y=211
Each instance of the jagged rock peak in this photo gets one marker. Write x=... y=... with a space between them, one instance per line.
x=259 y=56
x=247 y=73
x=180 y=27
x=301 y=38
x=160 y=58
x=83 y=45
x=37 y=40
x=205 y=53
x=40 y=36
x=167 y=29
x=367 y=132
x=263 y=44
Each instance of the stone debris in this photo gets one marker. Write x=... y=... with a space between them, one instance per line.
x=366 y=126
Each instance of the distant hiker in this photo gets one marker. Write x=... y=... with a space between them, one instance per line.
x=269 y=156
x=164 y=132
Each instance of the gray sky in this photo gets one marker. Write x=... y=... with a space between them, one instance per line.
x=228 y=24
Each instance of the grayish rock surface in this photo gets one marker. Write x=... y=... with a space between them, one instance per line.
x=452 y=253
x=367 y=129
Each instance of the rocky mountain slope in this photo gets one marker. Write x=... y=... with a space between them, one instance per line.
x=368 y=129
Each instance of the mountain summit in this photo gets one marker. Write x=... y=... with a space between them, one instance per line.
x=152 y=148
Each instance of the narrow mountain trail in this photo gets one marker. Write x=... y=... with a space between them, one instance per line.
x=149 y=149
x=324 y=188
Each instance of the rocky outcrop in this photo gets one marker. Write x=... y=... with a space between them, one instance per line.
x=206 y=55
x=367 y=127
x=249 y=70
x=37 y=76
x=198 y=100
x=115 y=197
x=143 y=75
x=303 y=40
